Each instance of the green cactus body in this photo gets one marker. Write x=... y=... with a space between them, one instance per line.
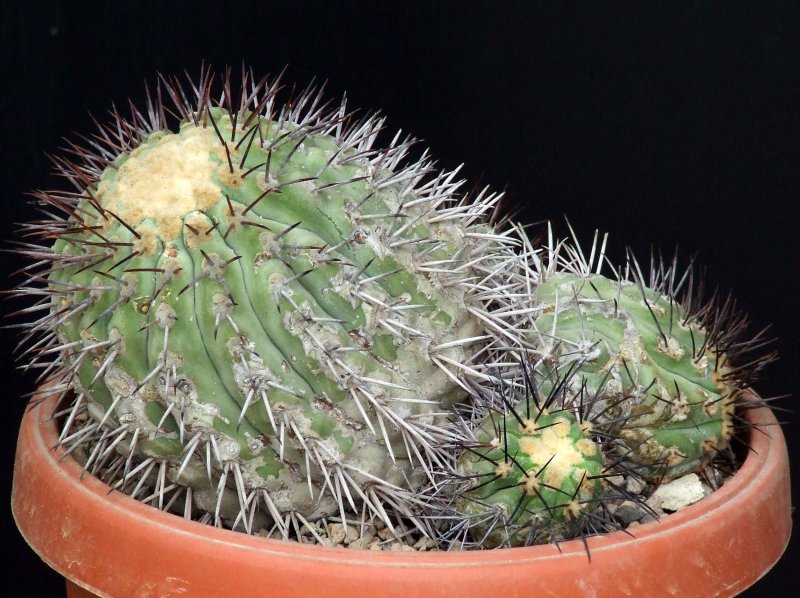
x=646 y=363
x=269 y=313
x=531 y=478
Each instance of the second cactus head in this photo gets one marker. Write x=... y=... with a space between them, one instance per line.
x=658 y=361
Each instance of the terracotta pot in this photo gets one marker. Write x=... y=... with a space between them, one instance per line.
x=114 y=546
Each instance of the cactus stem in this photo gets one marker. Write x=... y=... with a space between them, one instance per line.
x=242 y=385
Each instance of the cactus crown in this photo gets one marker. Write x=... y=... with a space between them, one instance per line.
x=535 y=470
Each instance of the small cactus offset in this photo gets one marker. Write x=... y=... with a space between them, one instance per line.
x=263 y=318
x=534 y=473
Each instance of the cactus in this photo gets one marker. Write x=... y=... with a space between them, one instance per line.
x=643 y=383
x=535 y=473
x=652 y=354
x=256 y=318
x=537 y=463
x=262 y=318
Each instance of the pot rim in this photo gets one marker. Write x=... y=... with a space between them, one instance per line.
x=765 y=465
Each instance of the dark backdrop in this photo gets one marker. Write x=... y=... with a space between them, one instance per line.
x=663 y=126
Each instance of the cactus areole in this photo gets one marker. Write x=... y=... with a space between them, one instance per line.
x=262 y=317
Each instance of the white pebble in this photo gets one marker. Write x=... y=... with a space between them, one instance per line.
x=680 y=493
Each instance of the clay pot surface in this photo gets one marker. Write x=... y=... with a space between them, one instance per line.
x=112 y=545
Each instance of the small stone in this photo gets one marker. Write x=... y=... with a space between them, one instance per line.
x=362 y=543
x=351 y=535
x=680 y=493
x=629 y=512
x=654 y=502
x=385 y=533
x=424 y=544
x=635 y=485
x=616 y=480
x=336 y=533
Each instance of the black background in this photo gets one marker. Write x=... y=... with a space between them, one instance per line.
x=663 y=124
